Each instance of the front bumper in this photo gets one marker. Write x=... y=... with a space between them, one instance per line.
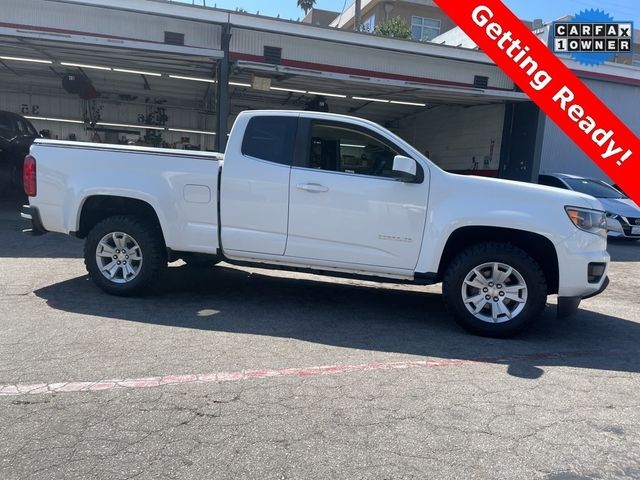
x=618 y=228
x=33 y=215
x=577 y=255
x=583 y=263
x=567 y=306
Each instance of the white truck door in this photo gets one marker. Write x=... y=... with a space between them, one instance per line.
x=254 y=188
x=348 y=206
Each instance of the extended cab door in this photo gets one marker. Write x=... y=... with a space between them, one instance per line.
x=346 y=203
x=254 y=190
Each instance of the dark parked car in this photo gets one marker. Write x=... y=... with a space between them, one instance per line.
x=623 y=215
x=16 y=136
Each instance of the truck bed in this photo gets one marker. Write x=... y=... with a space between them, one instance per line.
x=130 y=148
x=181 y=186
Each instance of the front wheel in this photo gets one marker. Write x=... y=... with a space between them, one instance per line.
x=124 y=255
x=494 y=289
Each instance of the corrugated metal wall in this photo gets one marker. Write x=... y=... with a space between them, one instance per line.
x=454 y=136
x=561 y=155
x=351 y=56
x=104 y=21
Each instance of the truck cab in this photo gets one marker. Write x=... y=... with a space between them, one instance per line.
x=319 y=190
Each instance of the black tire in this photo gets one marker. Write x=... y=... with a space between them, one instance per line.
x=198 y=261
x=151 y=244
x=502 y=253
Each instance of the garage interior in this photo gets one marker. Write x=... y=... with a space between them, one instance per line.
x=460 y=131
x=165 y=90
x=110 y=95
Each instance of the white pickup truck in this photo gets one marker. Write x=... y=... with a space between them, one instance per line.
x=326 y=194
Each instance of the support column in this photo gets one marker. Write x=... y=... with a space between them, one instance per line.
x=522 y=136
x=222 y=97
x=357 y=24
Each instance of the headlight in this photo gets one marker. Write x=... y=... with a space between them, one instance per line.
x=592 y=221
x=611 y=215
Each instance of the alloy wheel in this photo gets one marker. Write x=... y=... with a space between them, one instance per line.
x=494 y=292
x=119 y=257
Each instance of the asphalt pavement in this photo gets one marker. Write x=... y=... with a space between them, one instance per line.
x=247 y=373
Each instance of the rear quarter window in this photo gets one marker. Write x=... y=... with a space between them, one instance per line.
x=271 y=138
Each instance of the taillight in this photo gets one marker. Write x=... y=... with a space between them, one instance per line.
x=29 y=176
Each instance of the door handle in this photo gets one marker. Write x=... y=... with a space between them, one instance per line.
x=312 y=187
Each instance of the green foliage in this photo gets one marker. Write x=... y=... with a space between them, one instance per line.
x=395 y=28
x=306 y=5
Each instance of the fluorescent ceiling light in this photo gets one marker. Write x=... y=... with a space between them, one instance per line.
x=292 y=90
x=350 y=145
x=337 y=95
x=367 y=99
x=30 y=60
x=240 y=84
x=397 y=102
x=193 y=79
x=46 y=119
x=200 y=132
x=82 y=65
x=137 y=72
x=123 y=125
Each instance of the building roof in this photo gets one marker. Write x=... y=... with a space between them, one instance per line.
x=317 y=16
x=456 y=38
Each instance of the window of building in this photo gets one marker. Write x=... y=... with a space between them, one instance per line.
x=271 y=138
x=343 y=149
x=424 y=29
x=369 y=24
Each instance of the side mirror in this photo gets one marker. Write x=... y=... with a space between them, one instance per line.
x=407 y=167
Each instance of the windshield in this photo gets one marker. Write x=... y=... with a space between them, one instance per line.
x=594 y=188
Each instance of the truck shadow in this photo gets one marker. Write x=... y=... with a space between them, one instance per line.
x=395 y=319
x=15 y=244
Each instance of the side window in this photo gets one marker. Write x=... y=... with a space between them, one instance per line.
x=347 y=150
x=271 y=138
x=22 y=126
x=551 y=182
x=6 y=126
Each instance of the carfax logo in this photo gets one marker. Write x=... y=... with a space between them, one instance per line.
x=592 y=37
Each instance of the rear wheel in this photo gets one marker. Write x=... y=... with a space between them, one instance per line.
x=494 y=289
x=124 y=255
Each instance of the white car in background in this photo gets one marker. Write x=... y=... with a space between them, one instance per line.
x=623 y=214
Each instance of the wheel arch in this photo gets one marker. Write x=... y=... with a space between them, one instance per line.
x=539 y=247
x=96 y=208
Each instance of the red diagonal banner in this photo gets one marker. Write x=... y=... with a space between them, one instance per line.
x=552 y=86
